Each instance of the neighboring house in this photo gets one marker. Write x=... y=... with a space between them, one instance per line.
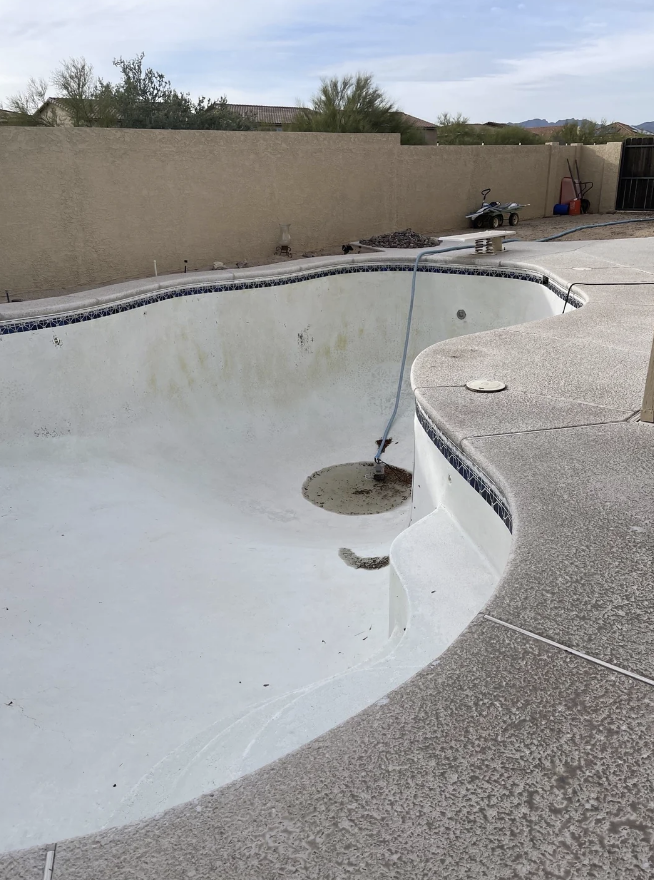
x=55 y=109
x=282 y=118
x=268 y=118
x=429 y=129
x=549 y=132
x=7 y=117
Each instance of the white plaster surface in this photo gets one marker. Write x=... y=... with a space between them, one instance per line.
x=174 y=613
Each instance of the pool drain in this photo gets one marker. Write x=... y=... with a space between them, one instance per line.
x=352 y=489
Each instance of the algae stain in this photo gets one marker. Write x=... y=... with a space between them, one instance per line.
x=341 y=342
x=185 y=369
x=202 y=356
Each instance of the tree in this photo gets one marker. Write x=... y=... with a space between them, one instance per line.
x=509 y=134
x=456 y=130
x=81 y=100
x=82 y=96
x=355 y=104
x=144 y=98
x=26 y=104
x=587 y=131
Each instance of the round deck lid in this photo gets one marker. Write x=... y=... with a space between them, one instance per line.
x=485 y=385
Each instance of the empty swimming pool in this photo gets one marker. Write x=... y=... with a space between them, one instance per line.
x=175 y=612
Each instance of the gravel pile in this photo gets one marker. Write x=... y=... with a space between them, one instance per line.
x=407 y=238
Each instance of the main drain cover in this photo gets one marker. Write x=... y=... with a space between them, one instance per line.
x=350 y=488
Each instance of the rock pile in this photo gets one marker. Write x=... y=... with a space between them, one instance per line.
x=407 y=238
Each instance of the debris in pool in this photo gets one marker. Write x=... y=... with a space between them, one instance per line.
x=369 y=563
x=266 y=685
x=387 y=443
x=304 y=340
x=351 y=489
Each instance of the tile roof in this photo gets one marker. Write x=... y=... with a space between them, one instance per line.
x=265 y=114
x=419 y=123
x=268 y=115
x=5 y=115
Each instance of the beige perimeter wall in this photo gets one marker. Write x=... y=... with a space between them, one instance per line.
x=86 y=206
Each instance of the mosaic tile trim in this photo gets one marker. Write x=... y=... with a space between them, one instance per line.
x=481 y=484
x=136 y=302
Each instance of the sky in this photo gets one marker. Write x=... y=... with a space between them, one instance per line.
x=506 y=62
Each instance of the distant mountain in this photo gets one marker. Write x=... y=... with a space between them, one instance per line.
x=543 y=123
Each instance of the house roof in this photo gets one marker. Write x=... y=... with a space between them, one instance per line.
x=263 y=114
x=269 y=115
x=419 y=123
x=5 y=115
x=60 y=101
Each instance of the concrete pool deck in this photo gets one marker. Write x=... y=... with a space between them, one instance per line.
x=507 y=757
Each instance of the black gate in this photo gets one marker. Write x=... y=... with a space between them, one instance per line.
x=636 y=184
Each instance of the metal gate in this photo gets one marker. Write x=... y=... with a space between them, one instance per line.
x=636 y=184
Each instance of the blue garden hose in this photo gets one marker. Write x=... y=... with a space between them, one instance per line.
x=595 y=226
x=461 y=247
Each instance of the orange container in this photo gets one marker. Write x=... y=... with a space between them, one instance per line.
x=575 y=206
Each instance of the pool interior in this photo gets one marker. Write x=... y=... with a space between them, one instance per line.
x=171 y=597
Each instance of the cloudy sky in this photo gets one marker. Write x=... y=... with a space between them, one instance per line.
x=506 y=62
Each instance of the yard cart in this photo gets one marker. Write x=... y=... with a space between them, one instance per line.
x=491 y=215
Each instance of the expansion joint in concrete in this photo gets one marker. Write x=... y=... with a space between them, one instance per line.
x=532 y=635
x=630 y=418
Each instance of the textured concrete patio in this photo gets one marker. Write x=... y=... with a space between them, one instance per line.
x=507 y=757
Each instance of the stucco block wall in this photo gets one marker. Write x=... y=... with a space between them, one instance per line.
x=84 y=206
x=439 y=186
x=601 y=164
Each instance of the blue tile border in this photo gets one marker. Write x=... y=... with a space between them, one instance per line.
x=136 y=302
x=472 y=475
